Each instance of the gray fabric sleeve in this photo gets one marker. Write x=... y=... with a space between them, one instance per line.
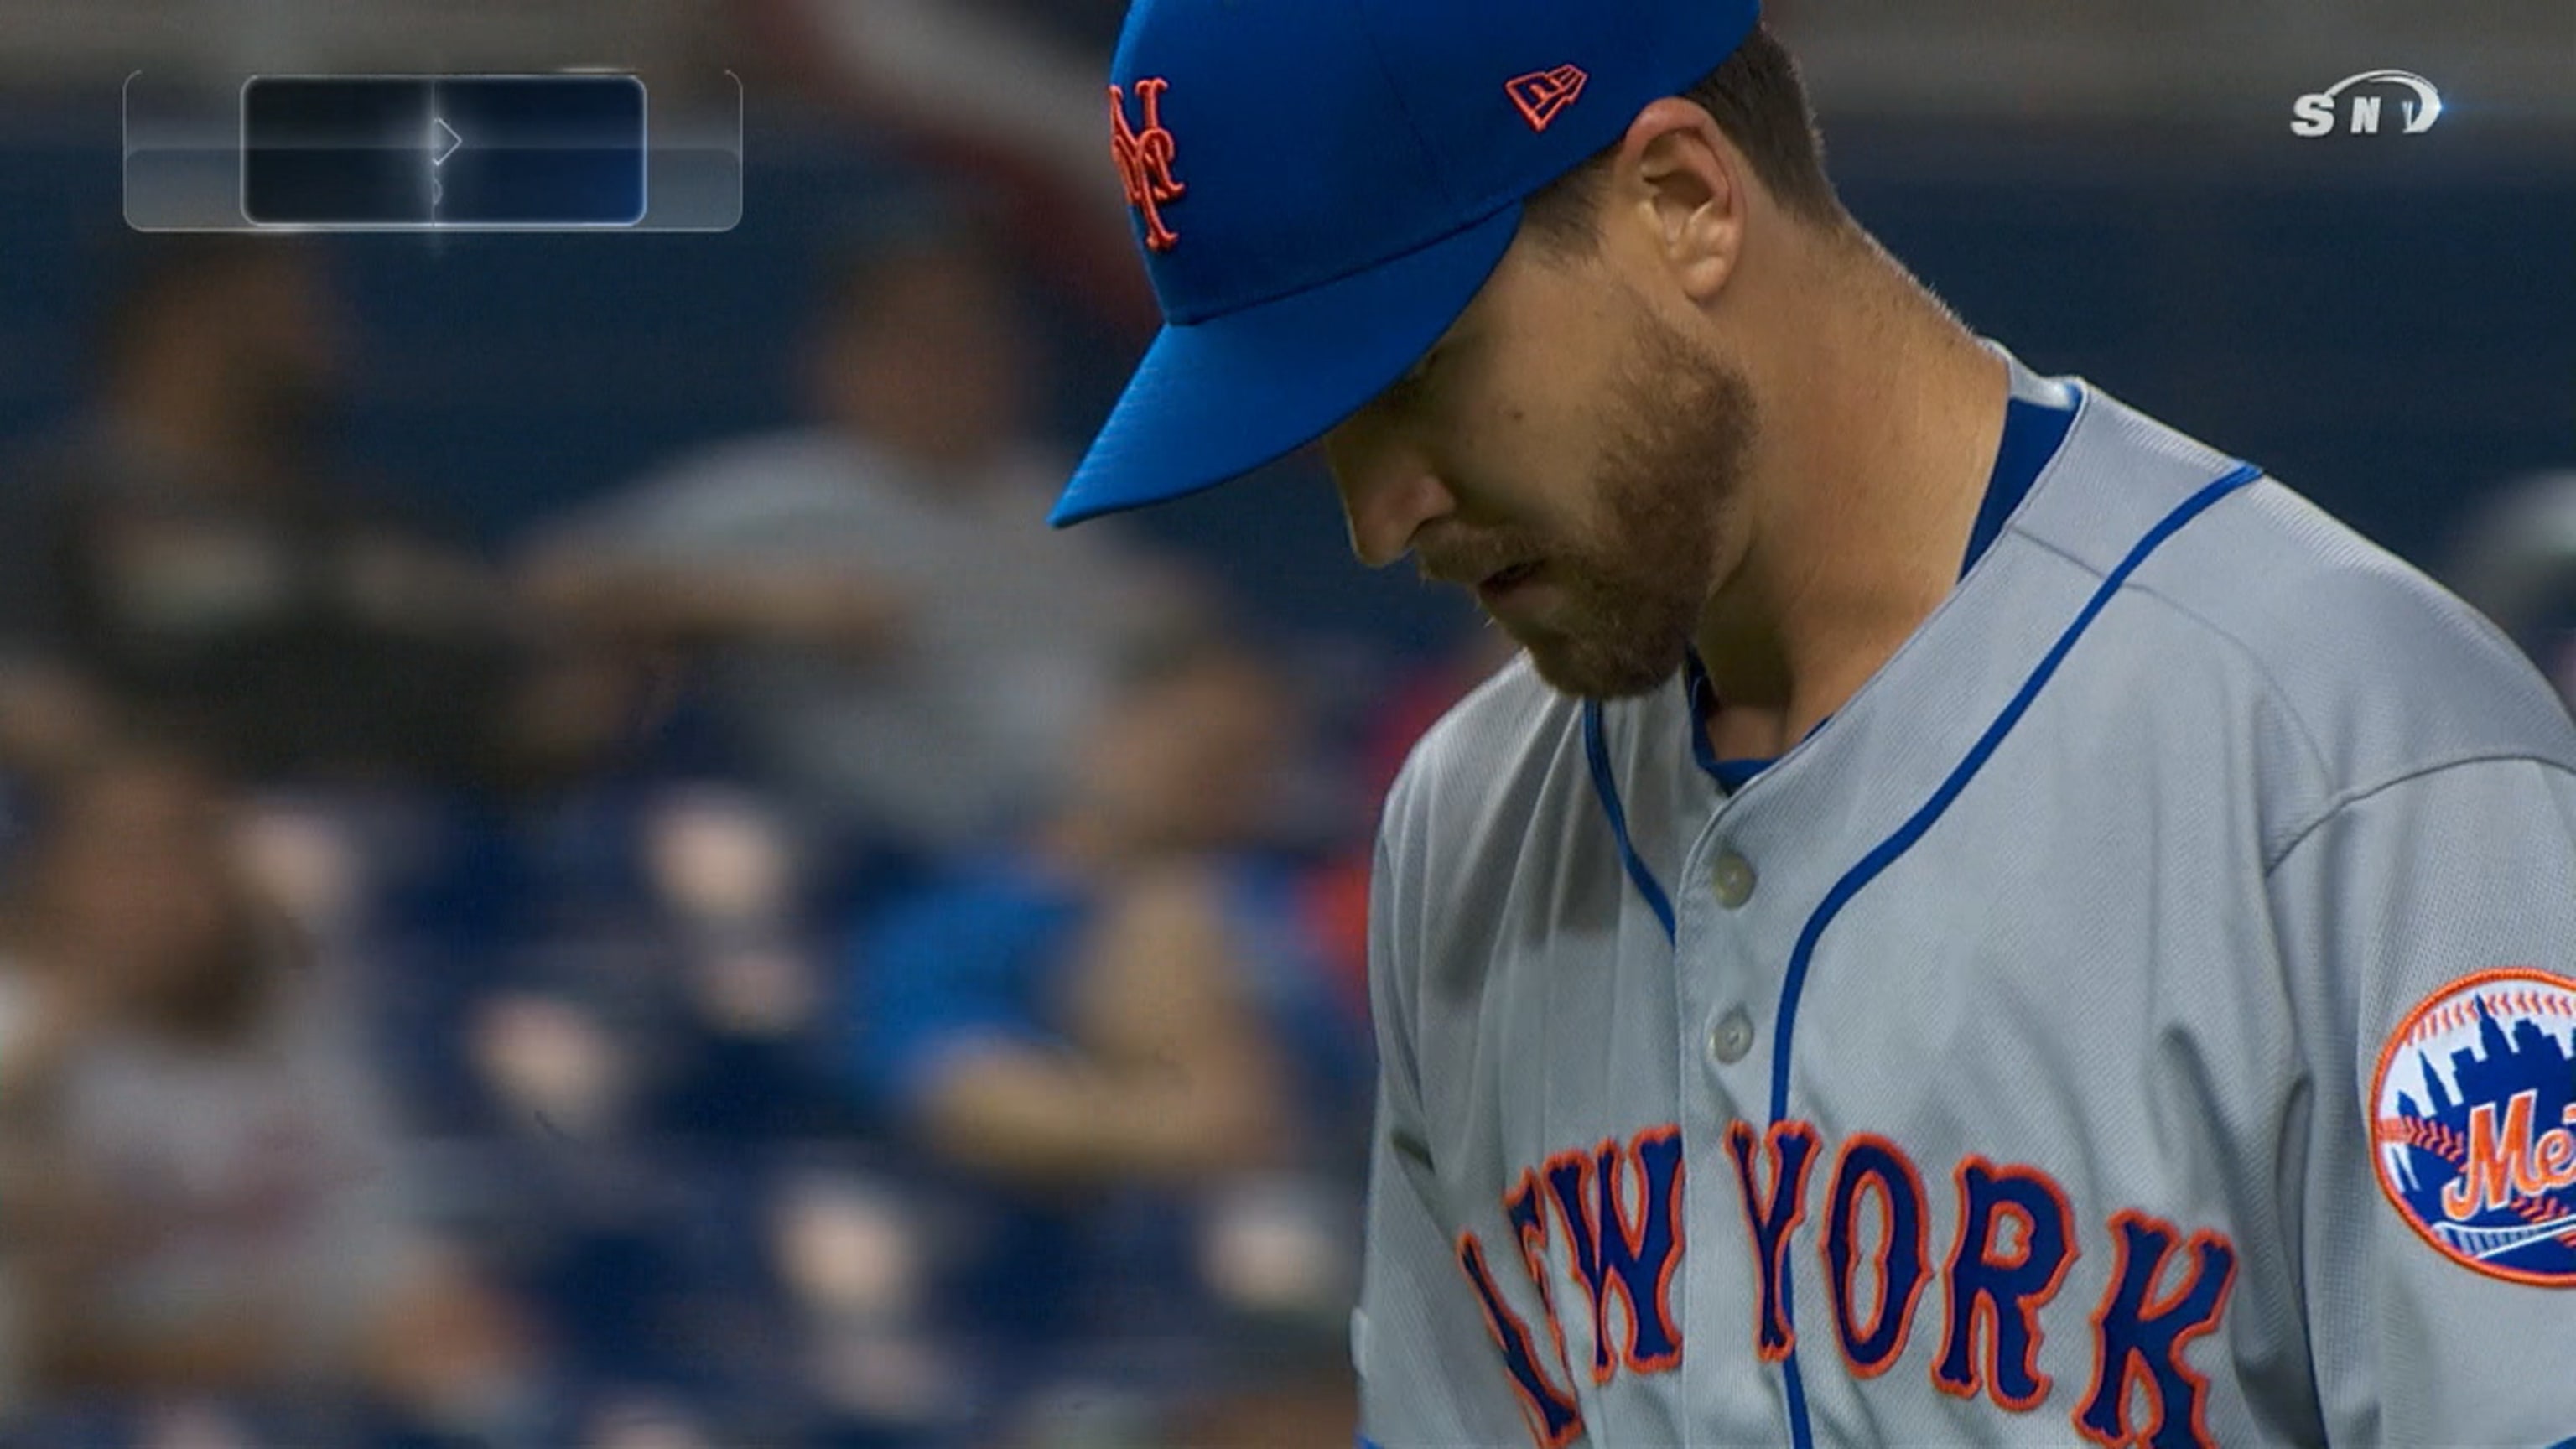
x=1429 y=1374
x=2403 y=916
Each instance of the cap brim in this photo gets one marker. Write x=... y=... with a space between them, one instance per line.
x=1218 y=399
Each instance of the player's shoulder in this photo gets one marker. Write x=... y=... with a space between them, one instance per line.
x=2384 y=670
x=1478 y=832
x=1483 y=760
x=2390 y=669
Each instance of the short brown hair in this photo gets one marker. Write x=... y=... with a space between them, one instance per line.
x=1757 y=99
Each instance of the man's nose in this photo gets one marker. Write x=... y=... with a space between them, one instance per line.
x=1388 y=494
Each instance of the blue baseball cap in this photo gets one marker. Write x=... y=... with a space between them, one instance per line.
x=1321 y=187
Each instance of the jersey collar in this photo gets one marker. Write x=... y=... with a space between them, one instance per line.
x=2036 y=420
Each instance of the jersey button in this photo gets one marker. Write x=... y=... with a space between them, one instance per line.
x=1731 y=1038
x=1732 y=879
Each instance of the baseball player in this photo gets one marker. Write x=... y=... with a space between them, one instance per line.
x=1976 y=918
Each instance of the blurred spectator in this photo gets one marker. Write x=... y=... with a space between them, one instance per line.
x=621 y=1048
x=852 y=1241
x=192 y=557
x=737 y=904
x=897 y=640
x=1009 y=93
x=636 y=1251
x=204 y=1198
x=1117 y=1045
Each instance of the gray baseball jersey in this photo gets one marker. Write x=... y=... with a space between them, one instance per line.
x=2144 y=1014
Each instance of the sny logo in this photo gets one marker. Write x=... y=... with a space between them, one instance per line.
x=1145 y=160
x=2314 y=115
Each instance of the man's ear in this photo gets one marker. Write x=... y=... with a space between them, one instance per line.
x=1692 y=188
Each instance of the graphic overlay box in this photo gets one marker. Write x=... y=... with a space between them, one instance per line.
x=478 y=151
x=326 y=151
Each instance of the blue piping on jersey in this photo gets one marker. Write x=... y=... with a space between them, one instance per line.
x=1801 y=1434
x=1598 y=753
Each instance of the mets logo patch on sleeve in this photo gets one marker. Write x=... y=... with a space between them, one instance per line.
x=2475 y=1124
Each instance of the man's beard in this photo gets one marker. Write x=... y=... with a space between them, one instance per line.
x=1667 y=484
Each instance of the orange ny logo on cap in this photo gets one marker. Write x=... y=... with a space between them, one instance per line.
x=1145 y=160
x=1543 y=95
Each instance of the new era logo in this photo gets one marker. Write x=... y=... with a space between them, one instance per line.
x=1543 y=95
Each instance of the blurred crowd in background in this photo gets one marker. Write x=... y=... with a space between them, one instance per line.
x=777 y=947
x=792 y=951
